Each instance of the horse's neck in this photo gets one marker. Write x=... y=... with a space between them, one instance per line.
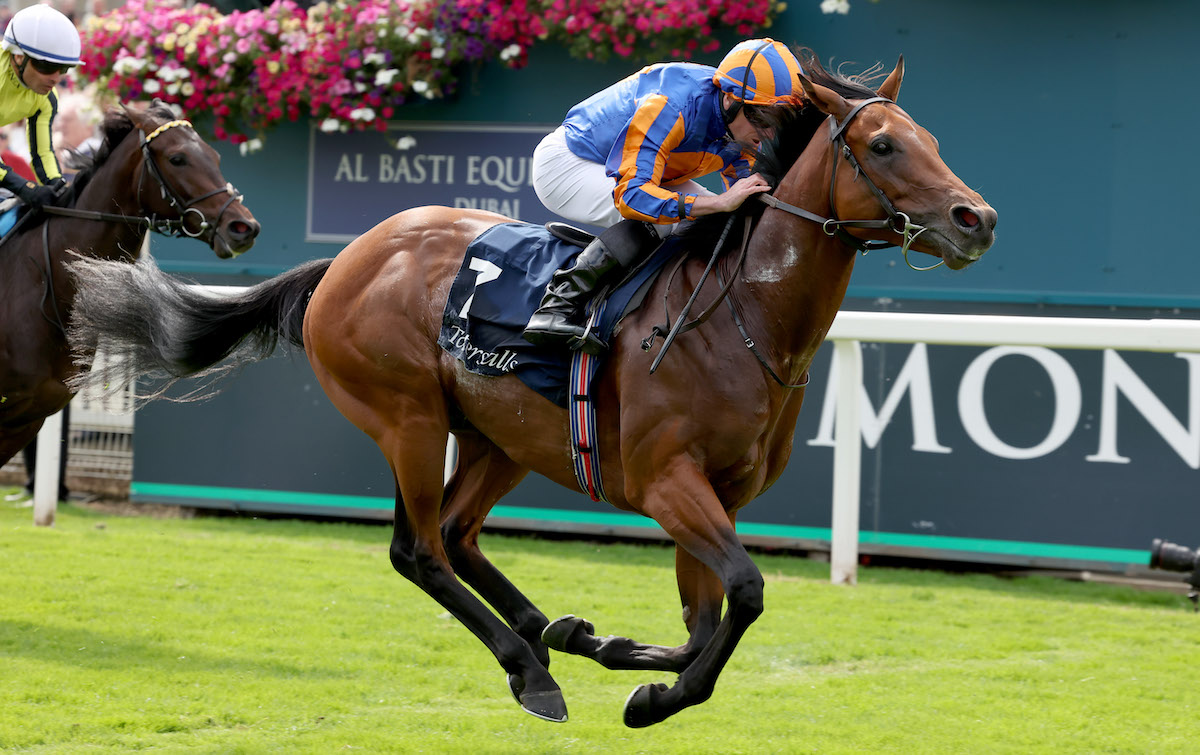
x=797 y=274
x=112 y=190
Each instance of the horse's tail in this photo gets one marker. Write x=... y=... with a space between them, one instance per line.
x=147 y=324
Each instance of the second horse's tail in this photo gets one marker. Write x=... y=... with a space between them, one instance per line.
x=145 y=323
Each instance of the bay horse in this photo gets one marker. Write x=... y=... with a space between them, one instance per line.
x=151 y=171
x=369 y=321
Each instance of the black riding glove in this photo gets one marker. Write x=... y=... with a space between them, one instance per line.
x=39 y=196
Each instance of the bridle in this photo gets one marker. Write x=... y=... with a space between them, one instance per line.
x=180 y=205
x=177 y=227
x=896 y=221
x=167 y=226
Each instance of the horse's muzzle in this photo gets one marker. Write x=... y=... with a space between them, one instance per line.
x=959 y=235
x=235 y=236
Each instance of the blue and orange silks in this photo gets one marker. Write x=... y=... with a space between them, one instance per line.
x=660 y=126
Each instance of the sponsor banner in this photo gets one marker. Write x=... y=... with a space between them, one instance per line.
x=1014 y=452
x=357 y=179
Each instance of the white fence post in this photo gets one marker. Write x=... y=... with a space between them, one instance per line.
x=847 y=466
x=45 y=480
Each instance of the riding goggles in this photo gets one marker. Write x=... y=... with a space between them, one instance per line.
x=48 y=67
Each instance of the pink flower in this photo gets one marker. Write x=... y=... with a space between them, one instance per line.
x=317 y=62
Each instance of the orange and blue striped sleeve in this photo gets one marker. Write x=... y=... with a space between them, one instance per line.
x=639 y=158
x=739 y=168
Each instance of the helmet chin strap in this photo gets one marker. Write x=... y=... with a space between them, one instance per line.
x=20 y=67
x=730 y=113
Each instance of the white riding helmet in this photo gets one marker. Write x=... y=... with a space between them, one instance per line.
x=41 y=32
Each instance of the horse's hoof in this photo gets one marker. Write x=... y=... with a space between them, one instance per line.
x=558 y=633
x=548 y=706
x=640 y=708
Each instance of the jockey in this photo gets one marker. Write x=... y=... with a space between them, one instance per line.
x=40 y=45
x=626 y=159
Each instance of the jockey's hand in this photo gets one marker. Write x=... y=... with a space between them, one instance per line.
x=742 y=189
x=39 y=196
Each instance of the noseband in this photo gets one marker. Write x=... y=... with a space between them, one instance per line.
x=896 y=221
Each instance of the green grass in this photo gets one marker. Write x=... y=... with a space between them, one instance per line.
x=244 y=635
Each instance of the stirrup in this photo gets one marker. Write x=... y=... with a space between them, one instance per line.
x=548 y=338
x=588 y=343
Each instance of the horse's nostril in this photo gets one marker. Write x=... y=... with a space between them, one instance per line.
x=241 y=229
x=966 y=217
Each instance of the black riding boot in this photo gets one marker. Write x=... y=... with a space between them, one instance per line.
x=559 y=318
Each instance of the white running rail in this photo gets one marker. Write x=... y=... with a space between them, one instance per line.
x=849 y=331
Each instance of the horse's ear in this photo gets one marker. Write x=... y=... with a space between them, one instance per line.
x=135 y=115
x=825 y=99
x=891 y=87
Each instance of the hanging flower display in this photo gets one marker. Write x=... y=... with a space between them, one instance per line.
x=351 y=64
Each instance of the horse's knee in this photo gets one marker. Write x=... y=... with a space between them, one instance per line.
x=745 y=595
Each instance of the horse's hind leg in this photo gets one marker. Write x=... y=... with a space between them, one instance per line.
x=484 y=474
x=411 y=427
x=701 y=594
x=417 y=552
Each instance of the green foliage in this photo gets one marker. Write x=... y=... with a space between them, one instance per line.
x=250 y=636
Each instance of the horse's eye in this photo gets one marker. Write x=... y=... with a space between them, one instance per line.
x=177 y=160
x=881 y=147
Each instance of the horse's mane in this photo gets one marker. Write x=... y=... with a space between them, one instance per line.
x=117 y=125
x=795 y=125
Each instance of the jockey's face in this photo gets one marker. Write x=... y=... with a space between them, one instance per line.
x=31 y=77
x=743 y=130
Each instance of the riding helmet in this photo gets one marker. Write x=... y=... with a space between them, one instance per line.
x=41 y=32
x=759 y=72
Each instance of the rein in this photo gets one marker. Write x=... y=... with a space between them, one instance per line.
x=896 y=221
x=678 y=327
x=728 y=297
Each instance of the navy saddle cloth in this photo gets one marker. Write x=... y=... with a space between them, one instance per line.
x=501 y=282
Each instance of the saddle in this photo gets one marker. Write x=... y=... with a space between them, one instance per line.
x=10 y=209
x=503 y=276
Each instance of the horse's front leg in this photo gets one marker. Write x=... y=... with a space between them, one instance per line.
x=701 y=594
x=13 y=439
x=685 y=505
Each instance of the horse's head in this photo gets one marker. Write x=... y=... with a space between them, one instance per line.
x=180 y=177
x=906 y=181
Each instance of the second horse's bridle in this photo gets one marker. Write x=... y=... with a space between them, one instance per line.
x=166 y=226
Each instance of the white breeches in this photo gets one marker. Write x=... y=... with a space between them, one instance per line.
x=580 y=190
